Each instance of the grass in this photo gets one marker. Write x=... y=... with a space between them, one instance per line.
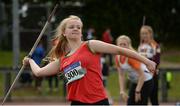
x=173 y=92
x=30 y=91
x=113 y=86
x=173 y=59
x=6 y=59
x=170 y=54
x=1 y=84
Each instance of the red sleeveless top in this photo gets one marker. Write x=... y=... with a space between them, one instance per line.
x=88 y=89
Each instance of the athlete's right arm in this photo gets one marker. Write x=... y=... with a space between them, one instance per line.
x=50 y=69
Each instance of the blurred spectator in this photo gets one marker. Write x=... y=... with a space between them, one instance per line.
x=105 y=73
x=37 y=56
x=105 y=69
x=107 y=37
x=53 y=78
x=90 y=34
x=150 y=49
x=140 y=78
x=25 y=79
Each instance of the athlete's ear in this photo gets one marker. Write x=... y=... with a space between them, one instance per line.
x=63 y=33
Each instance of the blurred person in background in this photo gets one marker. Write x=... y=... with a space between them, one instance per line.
x=52 y=80
x=149 y=48
x=37 y=56
x=90 y=34
x=107 y=37
x=105 y=73
x=140 y=77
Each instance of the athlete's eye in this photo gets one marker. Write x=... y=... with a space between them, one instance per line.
x=71 y=27
x=122 y=44
x=78 y=27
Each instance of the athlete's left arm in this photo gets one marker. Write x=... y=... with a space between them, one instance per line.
x=102 y=47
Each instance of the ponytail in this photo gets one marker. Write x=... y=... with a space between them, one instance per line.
x=61 y=47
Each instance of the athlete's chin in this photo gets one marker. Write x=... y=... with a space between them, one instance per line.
x=75 y=36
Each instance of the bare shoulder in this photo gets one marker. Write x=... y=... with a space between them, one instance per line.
x=96 y=42
x=93 y=44
x=102 y=47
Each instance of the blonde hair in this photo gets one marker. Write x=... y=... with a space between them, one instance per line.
x=153 y=43
x=125 y=37
x=61 y=48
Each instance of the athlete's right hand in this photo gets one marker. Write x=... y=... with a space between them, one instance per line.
x=124 y=96
x=26 y=60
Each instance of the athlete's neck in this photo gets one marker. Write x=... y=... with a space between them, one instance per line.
x=74 y=45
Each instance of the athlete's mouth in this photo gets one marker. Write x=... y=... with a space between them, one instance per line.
x=75 y=33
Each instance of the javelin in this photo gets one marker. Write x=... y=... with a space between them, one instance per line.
x=144 y=20
x=32 y=50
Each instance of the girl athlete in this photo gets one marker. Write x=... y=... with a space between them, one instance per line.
x=151 y=49
x=79 y=62
x=139 y=76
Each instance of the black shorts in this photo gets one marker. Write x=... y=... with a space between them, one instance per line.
x=101 y=102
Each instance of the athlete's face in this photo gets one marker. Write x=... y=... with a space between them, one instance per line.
x=123 y=43
x=73 y=29
x=145 y=35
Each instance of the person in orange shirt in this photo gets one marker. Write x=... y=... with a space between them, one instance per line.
x=138 y=74
x=79 y=62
